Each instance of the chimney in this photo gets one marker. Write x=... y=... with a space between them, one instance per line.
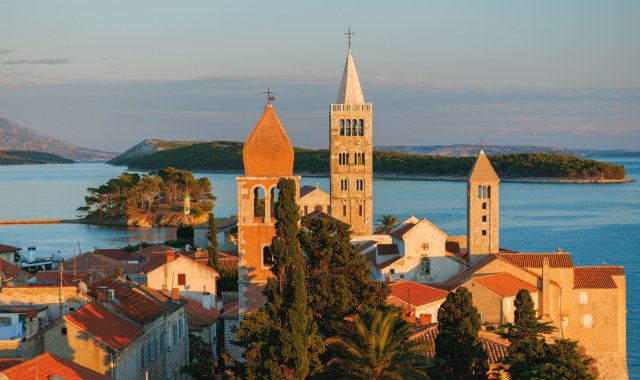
x=175 y=294
x=164 y=290
x=102 y=293
x=171 y=255
x=31 y=323
x=559 y=250
x=206 y=300
x=546 y=288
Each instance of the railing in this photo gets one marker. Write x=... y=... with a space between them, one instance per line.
x=351 y=107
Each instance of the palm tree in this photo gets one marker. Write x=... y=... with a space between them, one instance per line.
x=386 y=223
x=376 y=346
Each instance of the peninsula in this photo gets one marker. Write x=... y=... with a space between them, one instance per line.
x=27 y=157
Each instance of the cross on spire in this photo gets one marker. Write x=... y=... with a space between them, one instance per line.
x=349 y=34
x=269 y=97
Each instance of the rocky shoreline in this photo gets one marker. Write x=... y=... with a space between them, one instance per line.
x=146 y=220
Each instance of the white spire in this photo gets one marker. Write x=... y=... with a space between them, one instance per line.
x=350 y=90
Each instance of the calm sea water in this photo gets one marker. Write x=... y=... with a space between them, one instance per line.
x=596 y=223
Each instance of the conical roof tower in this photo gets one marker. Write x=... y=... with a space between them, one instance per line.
x=350 y=90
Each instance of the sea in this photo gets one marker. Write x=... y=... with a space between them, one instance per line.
x=597 y=223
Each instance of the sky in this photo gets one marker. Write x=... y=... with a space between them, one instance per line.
x=109 y=74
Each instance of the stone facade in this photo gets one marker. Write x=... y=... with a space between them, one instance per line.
x=483 y=208
x=351 y=144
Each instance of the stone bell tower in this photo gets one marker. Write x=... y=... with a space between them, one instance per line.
x=483 y=207
x=267 y=156
x=351 y=141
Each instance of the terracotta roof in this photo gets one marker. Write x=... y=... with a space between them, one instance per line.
x=504 y=284
x=104 y=325
x=197 y=315
x=388 y=249
x=534 y=260
x=449 y=287
x=115 y=254
x=9 y=271
x=228 y=254
x=157 y=259
x=9 y=248
x=51 y=366
x=68 y=278
x=482 y=171
x=136 y=302
x=268 y=151
x=9 y=362
x=596 y=277
x=230 y=263
x=399 y=232
x=496 y=347
x=416 y=294
x=91 y=261
x=463 y=276
x=364 y=246
x=231 y=310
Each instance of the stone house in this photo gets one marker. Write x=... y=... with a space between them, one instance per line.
x=49 y=366
x=202 y=318
x=9 y=253
x=420 y=302
x=313 y=199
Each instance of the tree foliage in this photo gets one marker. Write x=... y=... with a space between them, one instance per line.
x=338 y=277
x=201 y=365
x=459 y=351
x=212 y=250
x=135 y=193
x=386 y=223
x=376 y=346
x=280 y=338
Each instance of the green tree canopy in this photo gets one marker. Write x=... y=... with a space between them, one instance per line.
x=386 y=223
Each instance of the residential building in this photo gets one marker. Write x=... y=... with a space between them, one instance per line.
x=9 y=253
x=419 y=302
x=49 y=366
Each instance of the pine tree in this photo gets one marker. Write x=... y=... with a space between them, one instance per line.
x=214 y=256
x=563 y=362
x=459 y=351
x=338 y=277
x=281 y=337
x=527 y=349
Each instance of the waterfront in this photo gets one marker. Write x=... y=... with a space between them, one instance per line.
x=595 y=222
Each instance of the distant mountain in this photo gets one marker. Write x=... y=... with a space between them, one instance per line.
x=16 y=137
x=465 y=150
x=148 y=147
x=26 y=157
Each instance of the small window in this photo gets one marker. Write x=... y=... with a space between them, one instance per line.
x=392 y=271
x=587 y=320
x=484 y=232
x=360 y=210
x=479 y=191
x=484 y=205
x=354 y=131
x=344 y=210
x=341 y=127
x=425 y=266
x=182 y=279
x=267 y=256
x=348 y=127
x=306 y=211
x=359 y=184
x=488 y=191
x=344 y=184
x=63 y=331
x=360 y=127
x=484 y=218
x=584 y=298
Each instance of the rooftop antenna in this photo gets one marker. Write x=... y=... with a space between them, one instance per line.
x=349 y=34
x=269 y=97
x=74 y=261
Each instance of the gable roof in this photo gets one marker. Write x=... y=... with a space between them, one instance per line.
x=534 y=260
x=9 y=271
x=366 y=245
x=52 y=366
x=69 y=278
x=415 y=294
x=596 y=277
x=91 y=261
x=8 y=248
x=306 y=189
x=9 y=362
x=399 y=232
x=494 y=345
x=231 y=310
x=463 y=276
x=504 y=284
x=115 y=254
x=197 y=315
x=388 y=249
x=371 y=258
x=104 y=325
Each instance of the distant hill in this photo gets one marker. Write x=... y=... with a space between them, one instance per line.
x=148 y=147
x=466 y=150
x=24 y=157
x=16 y=137
x=226 y=157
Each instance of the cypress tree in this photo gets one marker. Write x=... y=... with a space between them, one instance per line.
x=214 y=256
x=459 y=352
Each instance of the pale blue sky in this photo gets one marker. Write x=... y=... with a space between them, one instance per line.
x=109 y=74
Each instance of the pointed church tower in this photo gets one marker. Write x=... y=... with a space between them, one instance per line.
x=483 y=208
x=351 y=141
x=267 y=156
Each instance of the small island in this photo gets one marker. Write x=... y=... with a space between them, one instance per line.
x=166 y=197
x=226 y=157
x=29 y=157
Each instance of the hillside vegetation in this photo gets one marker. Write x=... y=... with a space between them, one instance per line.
x=27 y=157
x=226 y=157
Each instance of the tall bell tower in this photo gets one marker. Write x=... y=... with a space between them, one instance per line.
x=483 y=208
x=267 y=156
x=351 y=141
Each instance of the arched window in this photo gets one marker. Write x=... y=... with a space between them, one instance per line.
x=484 y=205
x=258 y=202
x=343 y=158
x=360 y=210
x=360 y=127
x=488 y=191
x=359 y=184
x=341 y=127
x=344 y=184
x=274 y=198
x=425 y=266
x=267 y=257
x=479 y=191
x=354 y=125
x=348 y=127
x=484 y=191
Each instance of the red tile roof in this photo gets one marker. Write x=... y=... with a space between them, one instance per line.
x=444 y=286
x=496 y=347
x=52 y=366
x=91 y=261
x=596 y=277
x=388 y=249
x=9 y=271
x=402 y=230
x=115 y=254
x=231 y=310
x=228 y=263
x=104 y=325
x=463 y=276
x=9 y=362
x=415 y=294
x=534 y=260
x=68 y=278
x=197 y=315
x=9 y=248
x=504 y=284
x=365 y=245
x=136 y=302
